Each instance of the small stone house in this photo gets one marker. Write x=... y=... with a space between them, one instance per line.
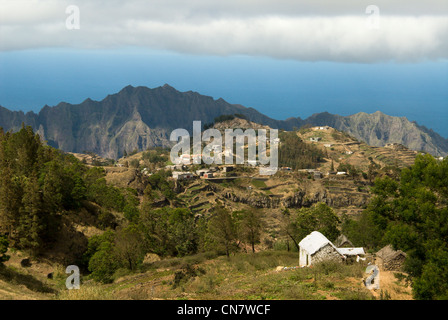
x=343 y=242
x=390 y=259
x=318 y=175
x=315 y=247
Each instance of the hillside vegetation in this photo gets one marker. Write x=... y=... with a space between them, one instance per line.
x=139 y=234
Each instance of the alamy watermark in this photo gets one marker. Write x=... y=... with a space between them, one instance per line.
x=372 y=281
x=213 y=152
x=373 y=18
x=73 y=20
x=72 y=281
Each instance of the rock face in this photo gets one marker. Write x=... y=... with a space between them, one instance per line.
x=298 y=200
x=134 y=118
x=139 y=118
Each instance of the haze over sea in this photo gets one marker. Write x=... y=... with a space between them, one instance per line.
x=277 y=88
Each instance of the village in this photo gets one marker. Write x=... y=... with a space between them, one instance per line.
x=342 y=153
x=217 y=172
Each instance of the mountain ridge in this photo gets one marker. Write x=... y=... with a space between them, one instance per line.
x=141 y=117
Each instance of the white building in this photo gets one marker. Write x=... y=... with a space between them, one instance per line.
x=321 y=128
x=315 y=247
x=252 y=162
x=180 y=175
x=201 y=172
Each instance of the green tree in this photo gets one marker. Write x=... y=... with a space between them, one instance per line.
x=30 y=225
x=320 y=218
x=222 y=230
x=4 y=243
x=129 y=246
x=295 y=153
x=100 y=254
x=10 y=200
x=412 y=215
x=170 y=231
x=251 y=226
x=363 y=232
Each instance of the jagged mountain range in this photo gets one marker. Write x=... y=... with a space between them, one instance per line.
x=140 y=118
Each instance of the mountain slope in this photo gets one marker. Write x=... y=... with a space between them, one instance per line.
x=140 y=117
x=378 y=129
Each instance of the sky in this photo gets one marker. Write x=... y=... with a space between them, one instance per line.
x=284 y=58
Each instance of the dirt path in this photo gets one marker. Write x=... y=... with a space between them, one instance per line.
x=389 y=284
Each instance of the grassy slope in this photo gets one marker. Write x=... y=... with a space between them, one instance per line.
x=244 y=276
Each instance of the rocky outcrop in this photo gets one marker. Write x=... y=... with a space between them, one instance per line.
x=298 y=200
x=378 y=129
x=253 y=200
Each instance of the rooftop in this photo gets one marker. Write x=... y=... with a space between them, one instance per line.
x=314 y=241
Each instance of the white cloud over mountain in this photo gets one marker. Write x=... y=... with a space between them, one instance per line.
x=407 y=31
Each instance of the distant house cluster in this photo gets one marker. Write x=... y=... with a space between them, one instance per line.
x=205 y=173
x=320 y=128
x=315 y=173
x=182 y=175
x=179 y=172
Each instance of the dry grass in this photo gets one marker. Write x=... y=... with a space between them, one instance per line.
x=86 y=292
x=258 y=276
x=244 y=276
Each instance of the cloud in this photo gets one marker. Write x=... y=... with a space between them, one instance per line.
x=315 y=31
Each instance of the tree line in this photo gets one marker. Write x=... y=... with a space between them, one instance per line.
x=295 y=153
x=39 y=184
x=411 y=213
x=170 y=232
